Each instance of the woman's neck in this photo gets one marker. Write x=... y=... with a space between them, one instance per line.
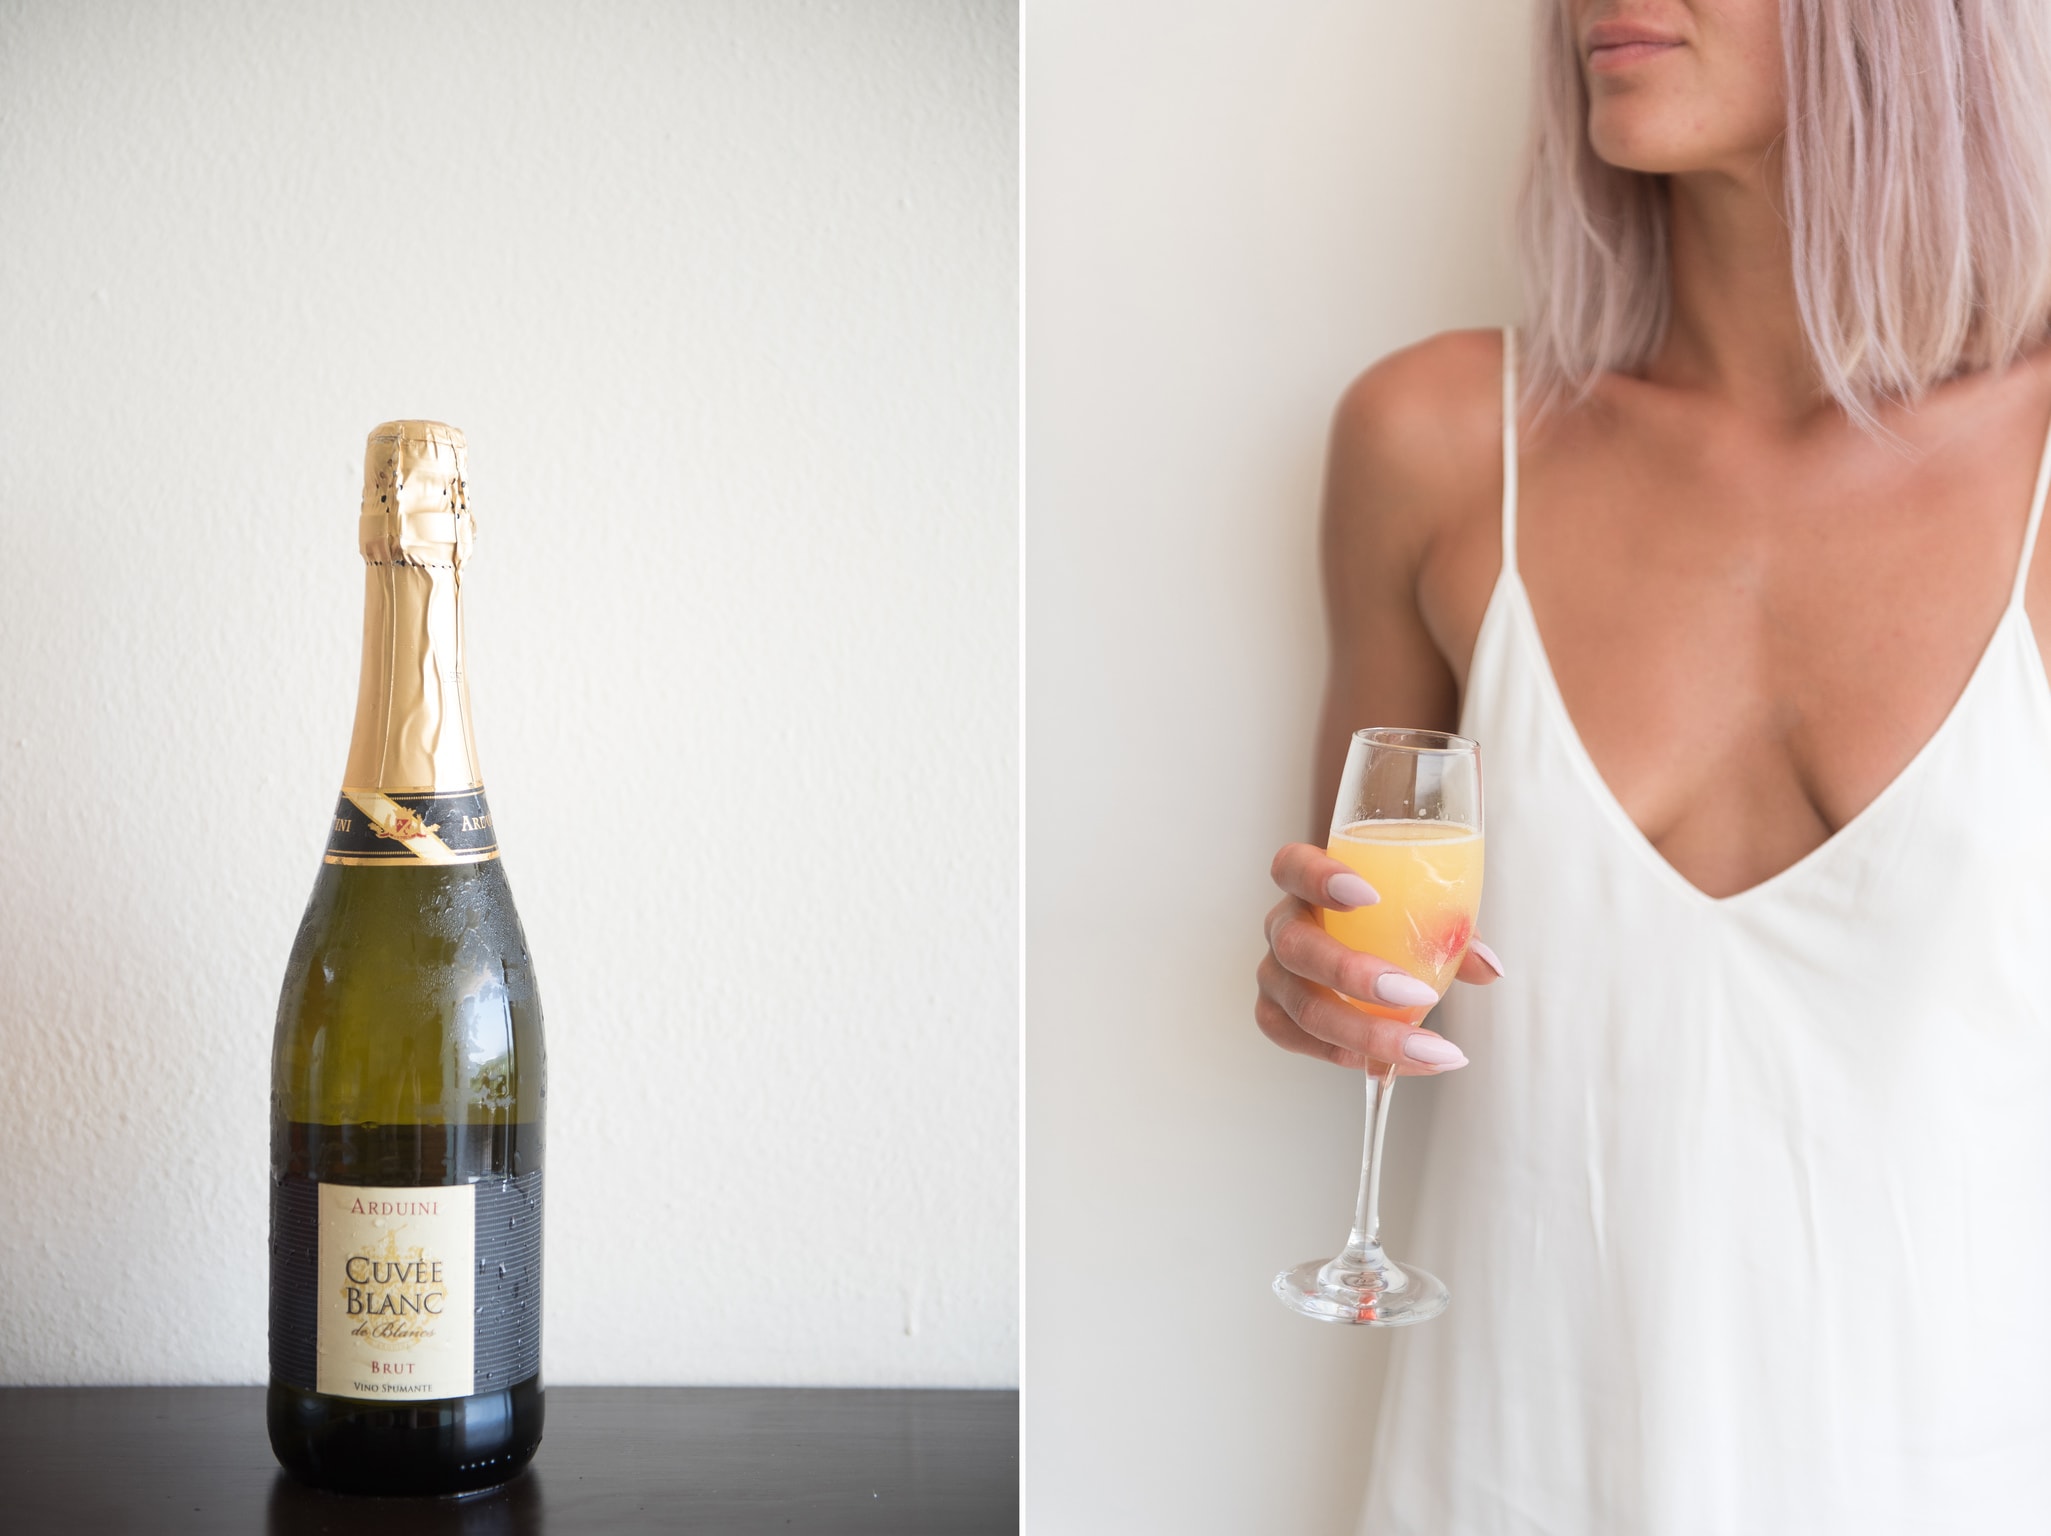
x=1736 y=328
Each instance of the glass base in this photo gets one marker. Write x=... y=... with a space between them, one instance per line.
x=1378 y=1294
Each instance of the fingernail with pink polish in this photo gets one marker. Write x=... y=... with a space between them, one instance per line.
x=1486 y=955
x=1401 y=991
x=1433 y=1050
x=1350 y=890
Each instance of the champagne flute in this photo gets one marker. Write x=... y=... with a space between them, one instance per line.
x=1408 y=820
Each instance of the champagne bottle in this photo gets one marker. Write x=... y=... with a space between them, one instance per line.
x=407 y=1076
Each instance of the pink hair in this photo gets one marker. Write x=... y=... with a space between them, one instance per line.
x=1918 y=184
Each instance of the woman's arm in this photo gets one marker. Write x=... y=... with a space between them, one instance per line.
x=1387 y=495
x=1409 y=455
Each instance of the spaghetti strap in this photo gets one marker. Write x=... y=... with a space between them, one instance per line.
x=2022 y=567
x=1510 y=454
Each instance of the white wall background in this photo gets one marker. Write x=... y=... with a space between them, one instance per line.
x=1231 y=208
x=724 y=294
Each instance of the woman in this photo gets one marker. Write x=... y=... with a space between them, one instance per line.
x=1743 y=1181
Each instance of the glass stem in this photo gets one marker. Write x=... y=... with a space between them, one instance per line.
x=1363 y=1266
x=1367 y=1209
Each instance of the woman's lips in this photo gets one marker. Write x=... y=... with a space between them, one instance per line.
x=1622 y=55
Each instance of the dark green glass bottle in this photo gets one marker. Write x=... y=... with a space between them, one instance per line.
x=407 y=1074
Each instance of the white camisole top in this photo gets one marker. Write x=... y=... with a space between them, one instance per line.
x=1744 y=1202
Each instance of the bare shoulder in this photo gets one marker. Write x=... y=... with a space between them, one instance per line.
x=1416 y=439
x=1411 y=489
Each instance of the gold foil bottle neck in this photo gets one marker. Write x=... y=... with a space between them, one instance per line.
x=416 y=503
x=412 y=730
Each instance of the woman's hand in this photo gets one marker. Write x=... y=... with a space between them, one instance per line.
x=1307 y=975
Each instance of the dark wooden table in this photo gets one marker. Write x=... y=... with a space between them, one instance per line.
x=166 y=1461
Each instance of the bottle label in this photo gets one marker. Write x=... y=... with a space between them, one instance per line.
x=405 y=1294
x=393 y=1291
x=375 y=826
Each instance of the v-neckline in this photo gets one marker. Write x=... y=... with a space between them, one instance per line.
x=1510 y=590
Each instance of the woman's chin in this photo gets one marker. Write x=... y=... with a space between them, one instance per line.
x=1651 y=155
x=1656 y=139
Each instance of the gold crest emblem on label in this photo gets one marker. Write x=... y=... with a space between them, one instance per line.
x=397 y=1292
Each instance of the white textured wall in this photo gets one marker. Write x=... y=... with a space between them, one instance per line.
x=724 y=294
x=1231 y=208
